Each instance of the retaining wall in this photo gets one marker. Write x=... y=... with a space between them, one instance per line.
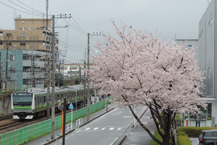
x=5 y=104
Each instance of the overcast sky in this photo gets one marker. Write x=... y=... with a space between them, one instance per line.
x=178 y=18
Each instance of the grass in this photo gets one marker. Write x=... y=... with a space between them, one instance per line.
x=157 y=135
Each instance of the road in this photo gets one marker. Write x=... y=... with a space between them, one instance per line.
x=102 y=131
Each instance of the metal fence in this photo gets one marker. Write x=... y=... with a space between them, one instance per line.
x=33 y=131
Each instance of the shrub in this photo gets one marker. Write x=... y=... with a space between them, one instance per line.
x=181 y=133
x=183 y=140
x=193 y=131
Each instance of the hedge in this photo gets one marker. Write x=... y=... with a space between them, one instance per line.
x=193 y=131
x=183 y=140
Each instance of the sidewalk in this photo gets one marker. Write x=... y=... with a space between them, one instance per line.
x=137 y=135
x=58 y=132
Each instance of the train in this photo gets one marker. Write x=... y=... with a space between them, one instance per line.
x=32 y=103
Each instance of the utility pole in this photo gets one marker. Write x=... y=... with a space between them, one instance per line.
x=85 y=91
x=6 y=71
x=47 y=69
x=53 y=81
x=59 y=73
x=79 y=71
x=32 y=68
x=0 y=72
x=88 y=68
x=88 y=81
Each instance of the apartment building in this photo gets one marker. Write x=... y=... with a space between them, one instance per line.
x=33 y=41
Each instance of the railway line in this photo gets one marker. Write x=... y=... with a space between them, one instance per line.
x=8 y=124
x=5 y=117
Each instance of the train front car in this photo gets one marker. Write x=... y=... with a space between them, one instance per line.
x=21 y=105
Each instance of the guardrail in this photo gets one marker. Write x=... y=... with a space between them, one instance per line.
x=33 y=131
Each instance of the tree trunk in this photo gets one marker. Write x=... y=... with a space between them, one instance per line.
x=166 y=138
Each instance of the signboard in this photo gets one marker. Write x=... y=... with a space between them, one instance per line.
x=71 y=106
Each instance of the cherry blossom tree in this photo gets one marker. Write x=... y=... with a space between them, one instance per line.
x=137 y=68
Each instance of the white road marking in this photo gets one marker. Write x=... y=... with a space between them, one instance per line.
x=103 y=128
x=87 y=128
x=95 y=128
x=111 y=129
x=127 y=116
x=119 y=128
x=145 y=122
x=117 y=113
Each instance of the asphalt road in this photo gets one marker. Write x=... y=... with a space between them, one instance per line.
x=102 y=131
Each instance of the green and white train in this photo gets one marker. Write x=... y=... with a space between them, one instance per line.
x=27 y=105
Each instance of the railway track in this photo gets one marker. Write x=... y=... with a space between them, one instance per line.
x=16 y=124
x=6 y=117
x=9 y=125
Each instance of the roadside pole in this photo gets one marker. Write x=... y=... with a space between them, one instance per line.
x=71 y=107
x=64 y=121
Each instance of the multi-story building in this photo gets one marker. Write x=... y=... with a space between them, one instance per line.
x=191 y=43
x=207 y=60
x=33 y=41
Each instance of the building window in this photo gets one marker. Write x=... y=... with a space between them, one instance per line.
x=74 y=68
x=1 y=33
x=22 y=44
x=8 y=44
x=8 y=34
x=25 y=57
x=12 y=70
x=22 y=34
x=1 y=43
x=12 y=57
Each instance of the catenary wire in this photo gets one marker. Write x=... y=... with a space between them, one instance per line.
x=29 y=6
x=23 y=7
x=78 y=25
x=20 y=10
x=75 y=28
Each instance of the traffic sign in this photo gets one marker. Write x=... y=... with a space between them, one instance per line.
x=105 y=96
x=61 y=106
x=71 y=106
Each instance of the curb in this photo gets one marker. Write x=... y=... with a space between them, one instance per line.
x=125 y=136
x=59 y=137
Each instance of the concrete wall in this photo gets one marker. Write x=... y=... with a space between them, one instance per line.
x=202 y=48
x=207 y=33
x=5 y=104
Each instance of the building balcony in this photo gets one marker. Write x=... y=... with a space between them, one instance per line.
x=36 y=75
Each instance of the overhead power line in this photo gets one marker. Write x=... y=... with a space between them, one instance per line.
x=20 y=10
x=71 y=48
x=74 y=27
x=29 y=6
x=70 y=45
x=24 y=8
x=77 y=25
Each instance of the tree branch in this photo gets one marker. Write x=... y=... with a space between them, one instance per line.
x=145 y=128
x=155 y=121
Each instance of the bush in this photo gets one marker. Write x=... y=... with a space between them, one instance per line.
x=183 y=140
x=193 y=131
x=181 y=133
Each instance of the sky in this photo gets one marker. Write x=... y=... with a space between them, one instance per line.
x=173 y=18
